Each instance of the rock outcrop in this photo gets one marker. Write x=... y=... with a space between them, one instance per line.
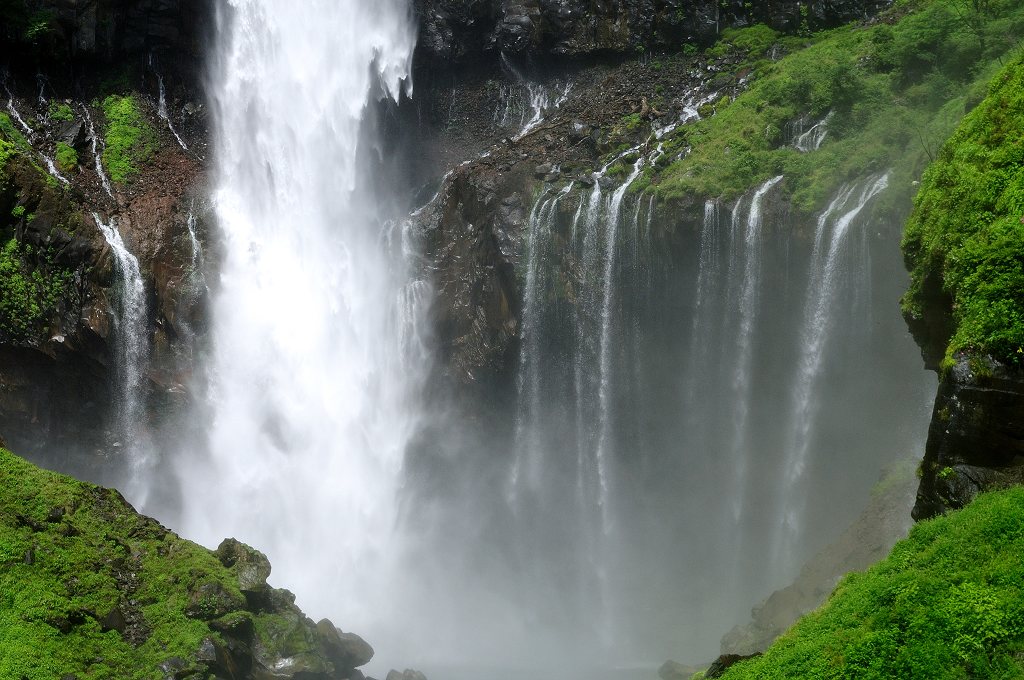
x=976 y=437
x=100 y=590
x=456 y=30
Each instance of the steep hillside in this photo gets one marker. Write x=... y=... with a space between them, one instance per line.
x=91 y=589
x=946 y=603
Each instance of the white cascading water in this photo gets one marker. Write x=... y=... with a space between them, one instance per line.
x=750 y=290
x=161 y=108
x=94 y=143
x=309 y=396
x=130 y=352
x=820 y=321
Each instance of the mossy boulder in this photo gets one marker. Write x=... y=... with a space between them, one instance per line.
x=91 y=588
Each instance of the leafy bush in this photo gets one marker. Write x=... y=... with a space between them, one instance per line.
x=130 y=140
x=966 y=233
x=948 y=602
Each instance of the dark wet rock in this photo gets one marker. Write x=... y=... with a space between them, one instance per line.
x=976 y=436
x=455 y=30
x=407 y=674
x=114 y=620
x=211 y=600
x=724 y=662
x=250 y=565
x=673 y=670
x=347 y=651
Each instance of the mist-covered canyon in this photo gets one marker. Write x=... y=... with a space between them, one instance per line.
x=543 y=338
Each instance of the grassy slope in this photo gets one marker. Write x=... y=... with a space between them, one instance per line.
x=90 y=587
x=896 y=89
x=70 y=553
x=966 y=233
x=948 y=602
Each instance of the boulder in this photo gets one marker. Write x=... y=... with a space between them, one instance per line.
x=347 y=651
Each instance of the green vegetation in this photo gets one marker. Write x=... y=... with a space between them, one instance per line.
x=73 y=554
x=67 y=157
x=130 y=140
x=61 y=112
x=90 y=588
x=30 y=294
x=966 y=234
x=895 y=89
x=948 y=602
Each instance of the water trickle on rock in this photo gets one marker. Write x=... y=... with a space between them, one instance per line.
x=131 y=352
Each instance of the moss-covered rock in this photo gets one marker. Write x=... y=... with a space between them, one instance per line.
x=92 y=588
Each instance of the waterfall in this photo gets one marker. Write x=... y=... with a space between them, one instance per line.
x=750 y=291
x=821 y=309
x=161 y=109
x=13 y=109
x=310 y=393
x=812 y=138
x=130 y=350
x=94 y=142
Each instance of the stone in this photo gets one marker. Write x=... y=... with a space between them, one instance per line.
x=407 y=674
x=114 y=620
x=724 y=662
x=250 y=565
x=673 y=670
x=211 y=600
x=346 y=651
x=542 y=169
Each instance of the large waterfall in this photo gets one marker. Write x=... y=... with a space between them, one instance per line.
x=677 y=382
x=309 y=379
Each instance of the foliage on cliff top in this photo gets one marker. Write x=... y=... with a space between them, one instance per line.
x=966 y=233
x=130 y=139
x=895 y=90
x=948 y=602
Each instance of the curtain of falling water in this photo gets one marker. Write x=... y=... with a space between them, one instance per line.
x=310 y=384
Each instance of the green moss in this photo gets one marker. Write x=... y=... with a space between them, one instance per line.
x=895 y=91
x=67 y=157
x=61 y=112
x=130 y=140
x=71 y=553
x=966 y=233
x=31 y=290
x=948 y=602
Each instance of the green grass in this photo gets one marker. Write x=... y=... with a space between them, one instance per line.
x=966 y=233
x=130 y=140
x=895 y=90
x=948 y=603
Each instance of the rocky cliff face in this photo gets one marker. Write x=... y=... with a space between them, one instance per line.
x=458 y=30
x=976 y=437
